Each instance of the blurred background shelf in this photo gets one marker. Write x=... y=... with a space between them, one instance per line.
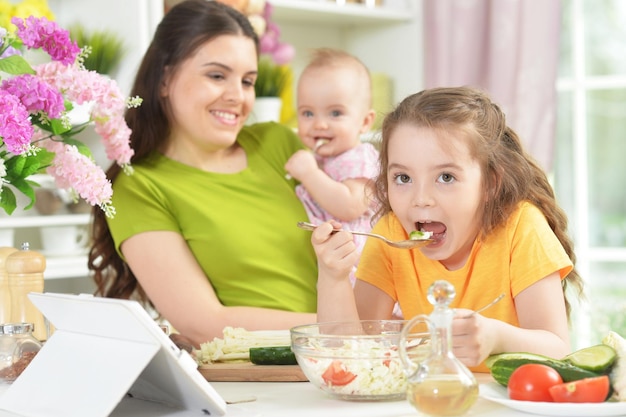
x=28 y=228
x=327 y=13
x=40 y=221
x=61 y=267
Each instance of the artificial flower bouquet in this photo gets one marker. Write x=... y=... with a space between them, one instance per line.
x=36 y=134
x=274 y=74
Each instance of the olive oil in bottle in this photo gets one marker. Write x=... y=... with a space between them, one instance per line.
x=439 y=385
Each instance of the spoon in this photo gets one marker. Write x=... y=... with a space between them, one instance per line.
x=473 y=313
x=402 y=244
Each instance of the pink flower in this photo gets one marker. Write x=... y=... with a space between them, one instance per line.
x=270 y=44
x=283 y=54
x=35 y=95
x=15 y=128
x=107 y=113
x=42 y=33
x=71 y=169
x=33 y=113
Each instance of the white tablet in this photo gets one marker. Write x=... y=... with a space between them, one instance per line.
x=102 y=350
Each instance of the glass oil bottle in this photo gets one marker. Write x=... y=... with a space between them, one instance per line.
x=438 y=384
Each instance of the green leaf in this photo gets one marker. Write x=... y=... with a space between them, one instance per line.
x=32 y=166
x=75 y=130
x=45 y=158
x=14 y=167
x=19 y=167
x=15 y=65
x=25 y=188
x=82 y=148
x=57 y=128
x=8 y=202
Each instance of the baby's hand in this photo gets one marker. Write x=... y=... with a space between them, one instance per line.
x=300 y=164
x=336 y=251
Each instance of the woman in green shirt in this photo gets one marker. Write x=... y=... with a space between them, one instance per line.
x=205 y=229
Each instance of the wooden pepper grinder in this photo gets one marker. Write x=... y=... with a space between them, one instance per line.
x=5 y=295
x=25 y=270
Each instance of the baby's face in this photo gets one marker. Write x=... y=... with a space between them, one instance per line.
x=333 y=110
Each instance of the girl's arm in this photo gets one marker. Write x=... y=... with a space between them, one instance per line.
x=543 y=326
x=336 y=254
x=181 y=292
x=372 y=302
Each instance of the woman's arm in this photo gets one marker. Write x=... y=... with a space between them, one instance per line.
x=181 y=292
x=543 y=327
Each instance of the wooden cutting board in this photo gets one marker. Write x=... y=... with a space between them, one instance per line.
x=233 y=372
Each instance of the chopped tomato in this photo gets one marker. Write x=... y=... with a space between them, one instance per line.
x=532 y=381
x=337 y=375
x=587 y=390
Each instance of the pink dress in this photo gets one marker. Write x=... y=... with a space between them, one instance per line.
x=359 y=162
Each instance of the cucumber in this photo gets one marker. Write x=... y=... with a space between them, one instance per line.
x=517 y=355
x=598 y=358
x=419 y=235
x=503 y=366
x=274 y=355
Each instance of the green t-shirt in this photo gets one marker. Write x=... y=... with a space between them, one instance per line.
x=240 y=227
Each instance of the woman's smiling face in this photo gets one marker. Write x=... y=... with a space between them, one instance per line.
x=212 y=92
x=436 y=185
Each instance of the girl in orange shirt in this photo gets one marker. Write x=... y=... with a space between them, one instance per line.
x=451 y=166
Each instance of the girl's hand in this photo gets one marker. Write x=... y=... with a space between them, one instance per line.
x=336 y=255
x=473 y=338
x=336 y=252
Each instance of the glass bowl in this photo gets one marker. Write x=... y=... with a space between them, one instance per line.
x=356 y=361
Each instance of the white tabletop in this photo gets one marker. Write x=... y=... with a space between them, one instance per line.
x=292 y=399
x=302 y=399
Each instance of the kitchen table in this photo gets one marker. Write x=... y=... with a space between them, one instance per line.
x=292 y=399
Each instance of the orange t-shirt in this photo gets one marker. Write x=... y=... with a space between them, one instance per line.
x=509 y=260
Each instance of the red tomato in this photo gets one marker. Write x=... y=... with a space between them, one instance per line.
x=532 y=381
x=587 y=390
x=337 y=375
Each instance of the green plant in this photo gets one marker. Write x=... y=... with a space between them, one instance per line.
x=107 y=48
x=271 y=79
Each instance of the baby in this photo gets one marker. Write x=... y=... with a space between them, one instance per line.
x=334 y=110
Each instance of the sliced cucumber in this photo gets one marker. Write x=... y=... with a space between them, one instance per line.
x=274 y=355
x=419 y=235
x=598 y=358
x=516 y=356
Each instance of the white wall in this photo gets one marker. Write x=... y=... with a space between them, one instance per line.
x=136 y=20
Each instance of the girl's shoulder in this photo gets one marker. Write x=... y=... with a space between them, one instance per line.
x=389 y=225
x=525 y=222
x=526 y=212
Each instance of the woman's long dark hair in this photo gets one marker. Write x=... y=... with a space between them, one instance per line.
x=510 y=175
x=186 y=27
